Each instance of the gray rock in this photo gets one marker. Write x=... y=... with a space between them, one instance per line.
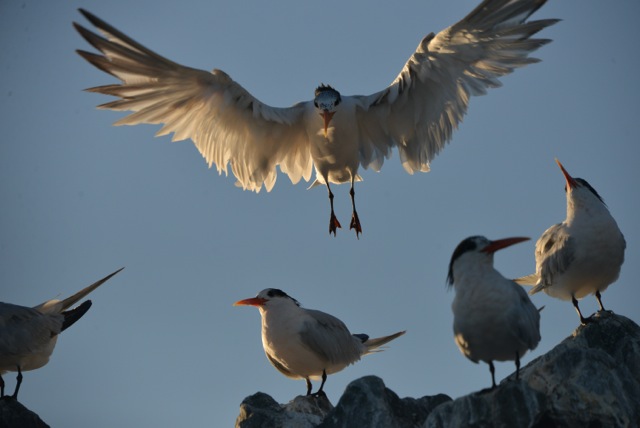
x=15 y=415
x=368 y=403
x=365 y=403
x=261 y=411
x=591 y=379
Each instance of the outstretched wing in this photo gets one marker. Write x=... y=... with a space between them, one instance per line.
x=227 y=124
x=420 y=110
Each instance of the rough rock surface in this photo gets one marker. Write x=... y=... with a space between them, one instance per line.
x=15 y=415
x=591 y=379
x=366 y=402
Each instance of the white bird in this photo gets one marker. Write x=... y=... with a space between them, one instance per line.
x=583 y=254
x=305 y=343
x=333 y=133
x=493 y=318
x=28 y=335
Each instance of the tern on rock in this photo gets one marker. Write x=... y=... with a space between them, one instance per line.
x=305 y=343
x=583 y=254
x=493 y=318
x=334 y=134
x=28 y=335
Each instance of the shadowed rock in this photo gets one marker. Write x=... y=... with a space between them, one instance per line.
x=15 y=415
x=591 y=379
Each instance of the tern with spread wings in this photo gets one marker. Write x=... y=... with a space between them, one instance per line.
x=334 y=134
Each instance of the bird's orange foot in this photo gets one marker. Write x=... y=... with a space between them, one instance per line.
x=334 y=224
x=355 y=224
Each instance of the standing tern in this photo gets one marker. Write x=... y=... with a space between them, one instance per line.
x=583 y=254
x=333 y=133
x=493 y=318
x=28 y=335
x=305 y=343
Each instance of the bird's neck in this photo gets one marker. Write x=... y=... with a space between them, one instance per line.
x=579 y=210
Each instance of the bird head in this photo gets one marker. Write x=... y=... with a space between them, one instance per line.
x=481 y=247
x=267 y=297
x=326 y=101
x=577 y=183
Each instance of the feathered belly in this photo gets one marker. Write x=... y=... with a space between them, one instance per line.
x=335 y=160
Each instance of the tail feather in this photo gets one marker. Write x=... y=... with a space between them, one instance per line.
x=373 y=344
x=537 y=288
x=70 y=317
x=528 y=280
x=57 y=306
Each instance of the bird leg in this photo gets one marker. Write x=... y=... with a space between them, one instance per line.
x=308 y=385
x=493 y=374
x=517 y=365
x=320 y=392
x=1 y=387
x=355 y=221
x=583 y=320
x=333 y=222
x=18 y=382
x=599 y=297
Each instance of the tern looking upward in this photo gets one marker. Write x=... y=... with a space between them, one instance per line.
x=583 y=254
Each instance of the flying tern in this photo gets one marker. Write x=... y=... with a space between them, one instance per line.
x=28 y=335
x=583 y=254
x=493 y=318
x=305 y=343
x=334 y=134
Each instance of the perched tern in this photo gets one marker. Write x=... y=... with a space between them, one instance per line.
x=28 y=335
x=333 y=133
x=493 y=318
x=583 y=254
x=305 y=343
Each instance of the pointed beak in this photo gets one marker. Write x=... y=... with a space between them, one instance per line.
x=571 y=182
x=503 y=243
x=253 y=301
x=327 y=116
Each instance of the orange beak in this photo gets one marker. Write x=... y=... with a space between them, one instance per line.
x=327 y=116
x=503 y=243
x=253 y=301
x=571 y=182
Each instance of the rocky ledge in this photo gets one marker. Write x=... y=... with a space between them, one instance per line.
x=591 y=379
x=15 y=415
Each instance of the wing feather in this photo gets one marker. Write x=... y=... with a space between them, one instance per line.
x=329 y=337
x=554 y=254
x=227 y=124
x=422 y=107
x=25 y=330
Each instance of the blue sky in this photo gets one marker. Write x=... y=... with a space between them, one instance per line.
x=162 y=344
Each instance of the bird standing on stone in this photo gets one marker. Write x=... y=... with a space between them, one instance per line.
x=493 y=318
x=28 y=335
x=583 y=254
x=333 y=133
x=305 y=343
